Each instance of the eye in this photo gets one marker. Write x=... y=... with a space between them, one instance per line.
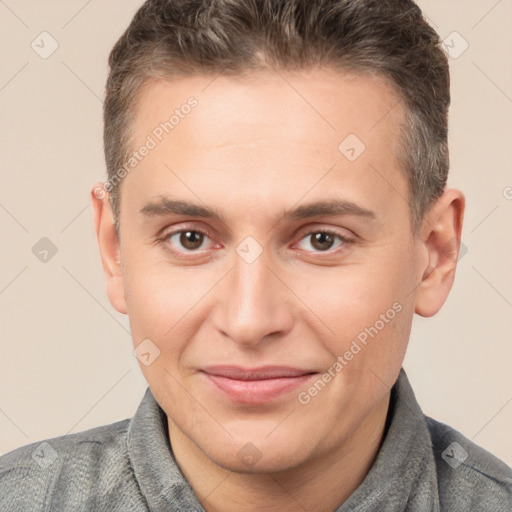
x=187 y=240
x=322 y=241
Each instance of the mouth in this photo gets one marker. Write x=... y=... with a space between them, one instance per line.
x=255 y=385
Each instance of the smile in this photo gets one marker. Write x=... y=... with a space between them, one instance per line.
x=255 y=386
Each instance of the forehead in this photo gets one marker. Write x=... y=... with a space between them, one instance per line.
x=271 y=132
x=329 y=100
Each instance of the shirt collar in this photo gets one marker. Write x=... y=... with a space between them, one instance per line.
x=403 y=471
x=160 y=480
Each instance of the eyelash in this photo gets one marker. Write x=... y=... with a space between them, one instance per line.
x=343 y=239
x=165 y=238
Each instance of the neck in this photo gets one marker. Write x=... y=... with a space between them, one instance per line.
x=332 y=475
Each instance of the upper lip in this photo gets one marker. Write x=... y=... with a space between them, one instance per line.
x=260 y=373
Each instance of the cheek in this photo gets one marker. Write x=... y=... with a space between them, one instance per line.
x=159 y=299
x=363 y=302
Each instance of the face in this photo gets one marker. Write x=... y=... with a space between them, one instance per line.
x=267 y=256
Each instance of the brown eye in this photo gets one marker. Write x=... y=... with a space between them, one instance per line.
x=187 y=240
x=322 y=241
x=191 y=239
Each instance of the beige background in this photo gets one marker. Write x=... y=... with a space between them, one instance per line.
x=66 y=360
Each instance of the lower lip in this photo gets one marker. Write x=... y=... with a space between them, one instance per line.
x=256 y=391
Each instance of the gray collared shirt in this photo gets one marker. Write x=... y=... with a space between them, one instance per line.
x=422 y=466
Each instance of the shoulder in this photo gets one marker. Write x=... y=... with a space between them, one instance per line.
x=58 y=452
x=73 y=470
x=469 y=477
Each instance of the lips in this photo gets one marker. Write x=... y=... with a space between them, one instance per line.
x=255 y=385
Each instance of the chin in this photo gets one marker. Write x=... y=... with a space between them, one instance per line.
x=266 y=465
x=258 y=456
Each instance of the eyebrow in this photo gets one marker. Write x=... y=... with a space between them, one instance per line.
x=166 y=206
x=333 y=207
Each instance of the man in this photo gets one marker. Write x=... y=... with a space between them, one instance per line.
x=276 y=212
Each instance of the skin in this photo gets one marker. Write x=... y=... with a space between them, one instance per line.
x=254 y=148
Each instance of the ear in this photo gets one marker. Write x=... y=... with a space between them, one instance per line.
x=440 y=239
x=108 y=244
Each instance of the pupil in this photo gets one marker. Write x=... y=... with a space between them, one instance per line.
x=191 y=239
x=322 y=241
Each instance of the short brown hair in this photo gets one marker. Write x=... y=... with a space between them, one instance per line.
x=173 y=38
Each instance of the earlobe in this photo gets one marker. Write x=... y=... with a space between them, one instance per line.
x=441 y=232
x=108 y=244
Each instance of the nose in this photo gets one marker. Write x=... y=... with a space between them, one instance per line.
x=253 y=305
